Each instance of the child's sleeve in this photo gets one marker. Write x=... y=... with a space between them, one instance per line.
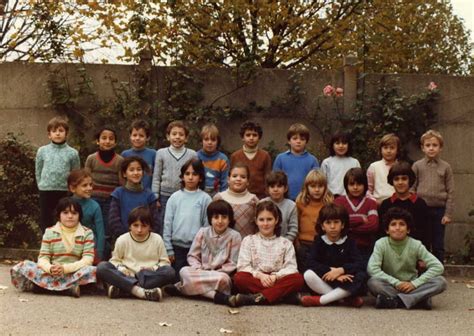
x=224 y=174
x=449 y=183
x=372 y=224
x=244 y=263
x=163 y=259
x=87 y=254
x=355 y=263
x=100 y=232
x=39 y=165
x=268 y=164
x=315 y=258
x=168 y=226
x=157 y=171
x=195 y=252
x=315 y=163
x=207 y=200
x=230 y=265
x=374 y=267
x=325 y=168
x=115 y=222
x=44 y=258
x=289 y=264
x=370 y=180
x=292 y=224
x=433 y=267
x=118 y=253
x=414 y=167
x=75 y=161
x=277 y=165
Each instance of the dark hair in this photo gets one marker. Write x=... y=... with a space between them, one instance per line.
x=240 y=164
x=76 y=176
x=333 y=211
x=198 y=168
x=56 y=122
x=127 y=161
x=342 y=137
x=277 y=178
x=68 y=203
x=142 y=214
x=356 y=175
x=251 y=126
x=178 y=124
x=401 y=168
x=273 y=208
x=140 y=124
x=105 y=128
x=397 y=213
x=220 y=207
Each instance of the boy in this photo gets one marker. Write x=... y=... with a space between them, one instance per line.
x=389 y=148
x=258 y=160
x=401 y=176
x=53 y=164
x=393 y=267
x=435 y=183
x=139 y=136
x=139 y=263
x=296 y=162
x=216 y=163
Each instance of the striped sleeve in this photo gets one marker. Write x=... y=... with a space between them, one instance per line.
x=44 y=258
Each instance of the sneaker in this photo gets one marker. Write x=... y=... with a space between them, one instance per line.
x=75 y=291
x=172 y=290
x=354 y=301
x=386 y=302
x=113 y=292
x=246 y=300
x=311 y=300
x=293 y=298
x=221 y=298
x=153 y=294
x=425 y=304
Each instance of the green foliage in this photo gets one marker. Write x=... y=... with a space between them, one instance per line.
x=18 y=196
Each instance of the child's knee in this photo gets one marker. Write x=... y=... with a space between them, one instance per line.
x=310 y=276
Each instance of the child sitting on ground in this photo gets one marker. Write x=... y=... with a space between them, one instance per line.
x=395 y=280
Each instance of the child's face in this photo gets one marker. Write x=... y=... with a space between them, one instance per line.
x=316 y=191
x=355 y=189
x=139 y=230
x=138 y=138
x=220 y=223
x=57 y=135
x=191 y=178
x=238 y=180
x=177 y=137
x=340 y=148
x=297 y=144
x=397 y=229
x=389 y=152
x=107 y=140
x=333 y=228
x=277 y=192
x=83 y=189
x=250 y=139
x=209 y=144
x=431 y=147
x=266 y=223
x=134 y=172
x=401 y=183
x=69 y=217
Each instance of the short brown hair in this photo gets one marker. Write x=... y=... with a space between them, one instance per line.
x=140 y=124
x=389 y=139
x=432 y=134
x=56 y=122
x=299 y=129
x=178 y=124
x=76 y=176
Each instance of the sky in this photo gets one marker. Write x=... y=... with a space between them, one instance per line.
x=465 y=10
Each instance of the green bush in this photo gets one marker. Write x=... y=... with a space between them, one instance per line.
x=19 y=209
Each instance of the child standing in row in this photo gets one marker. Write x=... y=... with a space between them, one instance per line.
x=296 y=163
x=52 y=166
x=435 y=183
x=139 y=136
x=336 y=270
x=79 y=183
x=277 y=189
x=216 y=163
x=340 y=161
x=242 y=201
x=185 y=213
x=389 y=149
x=314 y=195
x=65 y=258
x=257 y=160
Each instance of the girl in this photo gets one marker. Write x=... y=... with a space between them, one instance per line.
x=130 y=196
x=139 y=263
x=266 y=269
x=212 y=257
x=242 y=201
x=185 y=213
x=340 y=161
x=335 y=269
x=79 y=183
x=363 y=216
x=309 y=202
x=277 y=187
x=65 y=258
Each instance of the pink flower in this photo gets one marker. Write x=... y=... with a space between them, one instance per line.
x=339 y=92
x=432 y=86
x=328 y=90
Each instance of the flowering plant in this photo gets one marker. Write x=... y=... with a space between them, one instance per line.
x=329 y=91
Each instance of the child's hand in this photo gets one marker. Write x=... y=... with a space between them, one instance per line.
x=345 y=278
x=333 y=274
x=172 y=259
x=445 y=220
x=405 y=287
x=125 y=271
x=57 y=270
x=364 y=219
x=266 y=280
x=158 y=204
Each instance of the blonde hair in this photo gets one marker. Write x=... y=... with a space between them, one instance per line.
x=317 y=177
x=210 y=129
x=389 y=139
x=432 y=134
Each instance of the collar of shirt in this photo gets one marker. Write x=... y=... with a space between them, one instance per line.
x=338 y=242
x=413 y=197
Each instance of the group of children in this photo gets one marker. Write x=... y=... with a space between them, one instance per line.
x=238 y=231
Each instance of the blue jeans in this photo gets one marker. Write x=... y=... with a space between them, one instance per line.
x=437 y=243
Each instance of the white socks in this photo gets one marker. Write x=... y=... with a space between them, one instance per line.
x=318 y=285
x=138 y=292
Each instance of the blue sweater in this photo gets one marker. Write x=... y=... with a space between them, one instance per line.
x=185 y=215
x=296 y=167
x=217 y=168
x=149 y=156
x=92 y=218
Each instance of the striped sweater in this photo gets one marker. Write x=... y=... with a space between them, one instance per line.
x=105 y=175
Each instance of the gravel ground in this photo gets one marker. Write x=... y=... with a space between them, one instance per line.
x=93 y=314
